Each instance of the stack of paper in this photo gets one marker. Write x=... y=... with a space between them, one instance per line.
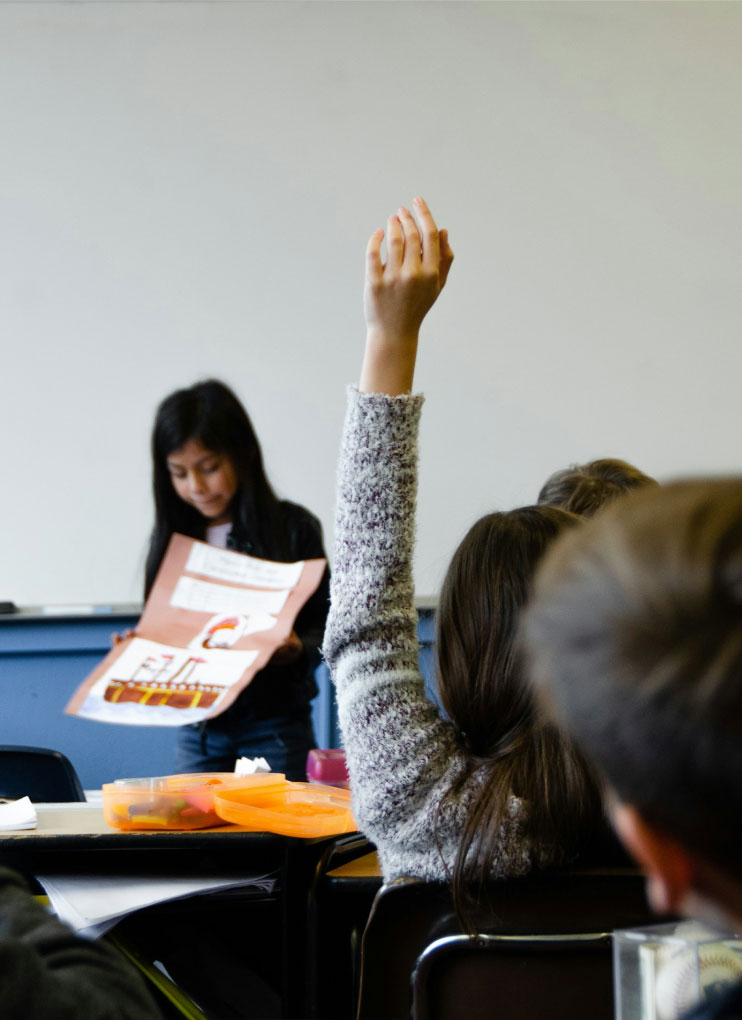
x=18 y=814
x=250 y=766
x=93 y=904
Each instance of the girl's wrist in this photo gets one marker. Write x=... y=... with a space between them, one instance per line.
x=388 y=362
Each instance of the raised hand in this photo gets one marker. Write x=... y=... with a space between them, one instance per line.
x=399 y=294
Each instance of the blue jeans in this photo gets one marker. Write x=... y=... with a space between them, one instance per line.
x=284 y=741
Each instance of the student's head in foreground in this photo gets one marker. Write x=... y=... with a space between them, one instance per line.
x=634 y=638
x=585 y=488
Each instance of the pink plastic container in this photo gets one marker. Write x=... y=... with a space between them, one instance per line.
x=328 y=768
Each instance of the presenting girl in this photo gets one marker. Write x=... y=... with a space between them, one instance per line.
x=209 y=483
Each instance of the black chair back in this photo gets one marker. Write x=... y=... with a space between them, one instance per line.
x=408 y=915
x=562 y=977
x=39 y=773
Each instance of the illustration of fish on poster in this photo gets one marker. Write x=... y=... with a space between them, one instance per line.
x=213 y=619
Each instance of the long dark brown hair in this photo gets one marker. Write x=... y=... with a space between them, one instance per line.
x=210 y=412
x=484 y=692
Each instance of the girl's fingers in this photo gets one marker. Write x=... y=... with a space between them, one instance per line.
x=373 y=255
x=394 y=244
x=410 y=245
x=430 y=237
x=412 y=239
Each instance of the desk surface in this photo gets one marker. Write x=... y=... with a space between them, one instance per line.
x=362 y=867
x=76 y=839
x=82 y=825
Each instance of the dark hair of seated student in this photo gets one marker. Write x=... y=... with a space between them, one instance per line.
x=484 y=691
x=585 y=488
x=210 y=413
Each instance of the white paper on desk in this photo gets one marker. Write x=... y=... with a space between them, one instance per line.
x=250 y=766
x=92 y=905
x=18 y=814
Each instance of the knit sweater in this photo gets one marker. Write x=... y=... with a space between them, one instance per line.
x=402 y=755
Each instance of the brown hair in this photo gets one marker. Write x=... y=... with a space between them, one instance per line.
x=484 y=693
x=635 y=634
x=585 y=488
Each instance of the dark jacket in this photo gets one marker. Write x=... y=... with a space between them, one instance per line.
x=49 y=973
x=279 y=690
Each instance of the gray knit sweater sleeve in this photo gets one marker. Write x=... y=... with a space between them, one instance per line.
x=402 y=756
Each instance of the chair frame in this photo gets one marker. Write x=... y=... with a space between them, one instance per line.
x=337 y=915
x=408 y=915
x=586 y=949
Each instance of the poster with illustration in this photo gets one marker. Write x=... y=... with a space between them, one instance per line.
x=213 y=619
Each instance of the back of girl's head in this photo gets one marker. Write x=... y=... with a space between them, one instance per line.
x=585 y=488
x=490 y=703
x=635 y=635
x=485 y=587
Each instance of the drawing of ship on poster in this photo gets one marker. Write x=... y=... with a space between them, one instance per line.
x=152 y=684
x=160 y=683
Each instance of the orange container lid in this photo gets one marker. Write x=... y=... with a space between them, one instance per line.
x=291 y=809
x=183 y=801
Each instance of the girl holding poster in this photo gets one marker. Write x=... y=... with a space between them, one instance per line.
x=209 y=483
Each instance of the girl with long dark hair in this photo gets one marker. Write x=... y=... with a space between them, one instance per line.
x=491 y=790
x=209 y=483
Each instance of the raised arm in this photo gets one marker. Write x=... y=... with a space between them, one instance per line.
x=399 y=294
x=402 y=756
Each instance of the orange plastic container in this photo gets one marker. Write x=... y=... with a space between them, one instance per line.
x=175 y=802
x=291 y=809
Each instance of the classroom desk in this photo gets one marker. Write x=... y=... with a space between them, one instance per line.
x=365 y=868
x=76 y=839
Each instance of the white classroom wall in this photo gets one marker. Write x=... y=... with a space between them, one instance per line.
x=186 y=189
